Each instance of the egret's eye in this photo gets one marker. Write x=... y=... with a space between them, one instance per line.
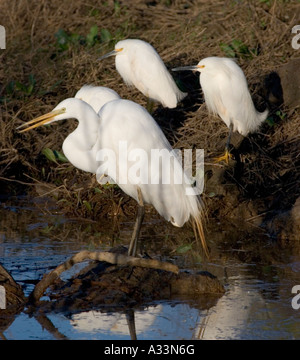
x=201 y=66
x=64 y=109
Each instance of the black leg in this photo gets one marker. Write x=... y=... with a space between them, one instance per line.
x=137 y=226
x=131 y=324
x=229 y=137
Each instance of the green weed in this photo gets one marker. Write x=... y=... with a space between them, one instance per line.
x=183 y=249
x=65 y=40
x=54 y=155
x=19 y=89
x=237 y=49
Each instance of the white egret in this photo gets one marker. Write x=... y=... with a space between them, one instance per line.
x=96 y=96
x=226 y=93
x=125 y=122
x=140 y=65
x=78 y=144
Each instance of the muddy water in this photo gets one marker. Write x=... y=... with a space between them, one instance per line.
x=34 y=238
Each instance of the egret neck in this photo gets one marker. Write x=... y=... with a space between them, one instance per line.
x=78 y=145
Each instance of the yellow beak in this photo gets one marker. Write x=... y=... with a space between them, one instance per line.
x=41 y=120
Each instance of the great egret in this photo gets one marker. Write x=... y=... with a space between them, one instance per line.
x=85 y=135
x=125 y=123
x=140 y=65
x=226 y=93
x=96 y=96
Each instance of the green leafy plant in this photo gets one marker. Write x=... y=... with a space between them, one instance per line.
x=26 y=89
x=184 y=248
x=237 y=49
x=105 y=35
x=92 y=36
x=19 y=89
x=62 y=39
x=281 y=114
x=88 y=205
x=54 y=155
x=65 y=40
x=271 y=120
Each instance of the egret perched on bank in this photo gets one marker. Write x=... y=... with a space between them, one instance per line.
x=139 y=65
x=122 y=147
x=226 y=93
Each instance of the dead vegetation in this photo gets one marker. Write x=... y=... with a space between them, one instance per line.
x=52 y=50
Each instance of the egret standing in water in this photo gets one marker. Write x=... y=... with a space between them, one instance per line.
x=226 y=93
x=140 y=65
x=123 y=122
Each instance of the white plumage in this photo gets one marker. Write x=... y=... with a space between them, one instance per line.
x=125 y=122
x=226 y=93
x=140 y=65
x=96 y=96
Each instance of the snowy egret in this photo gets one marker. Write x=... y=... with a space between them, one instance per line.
x=226 y=93
x=140 y=65
x=125 y=122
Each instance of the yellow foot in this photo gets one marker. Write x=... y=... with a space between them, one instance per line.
x=224 y=157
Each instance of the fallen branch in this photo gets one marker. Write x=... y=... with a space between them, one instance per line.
x=112 y=258
x=14 y=295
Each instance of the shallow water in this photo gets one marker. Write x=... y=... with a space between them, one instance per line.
x=257 y=303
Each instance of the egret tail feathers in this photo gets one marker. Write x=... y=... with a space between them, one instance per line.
x=199 y=233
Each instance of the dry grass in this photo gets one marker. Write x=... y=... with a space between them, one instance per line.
x=183 y=32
